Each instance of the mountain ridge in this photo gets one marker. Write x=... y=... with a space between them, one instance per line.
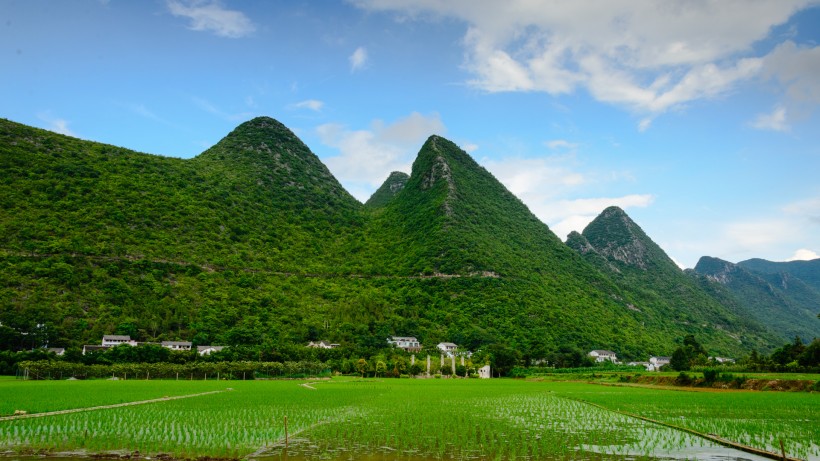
x=255 y=242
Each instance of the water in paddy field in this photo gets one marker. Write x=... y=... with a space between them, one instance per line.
x=310 y=452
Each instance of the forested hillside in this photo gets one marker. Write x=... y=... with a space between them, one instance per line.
x=255 y=243
x=780 y=300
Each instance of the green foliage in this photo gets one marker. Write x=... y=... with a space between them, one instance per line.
x=254 y=244
x=781 y=300
x=653 y=290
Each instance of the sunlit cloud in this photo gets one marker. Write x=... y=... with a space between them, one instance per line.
x=367 y=156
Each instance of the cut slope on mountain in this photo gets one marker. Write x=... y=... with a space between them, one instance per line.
x=782 y=302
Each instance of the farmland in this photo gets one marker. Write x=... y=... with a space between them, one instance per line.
x=396 y=418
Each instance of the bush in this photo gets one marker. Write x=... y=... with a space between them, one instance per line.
x=710 y=375
x=683 y=379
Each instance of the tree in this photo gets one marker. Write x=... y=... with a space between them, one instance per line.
x=381 y=367
x=679 y=360
x=415 y=369
x=361 y=366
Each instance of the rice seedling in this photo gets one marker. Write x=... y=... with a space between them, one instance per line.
x=406 y=419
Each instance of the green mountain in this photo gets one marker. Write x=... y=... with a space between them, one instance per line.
x=806 y=271
x=784 y=303
x=254 y=242
x=385 y=193
x=659 y=292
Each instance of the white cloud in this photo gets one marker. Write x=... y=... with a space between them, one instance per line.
x=566 y=216
x=57 y=125
x=558 y=144
x=644 y=55
x=759 y=236
x=775 y=121
x=211 y=108
x=469 y=147
x=212 y=16
x=797 y=68
x=543 y=183
x=358 y=59
x=803 y=254
x=366 y=157
x=644 y=124
x=808 y=209
x=311 y=104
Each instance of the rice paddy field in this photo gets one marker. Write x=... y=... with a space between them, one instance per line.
x=402 y=419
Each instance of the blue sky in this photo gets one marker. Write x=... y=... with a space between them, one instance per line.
x=700 y=119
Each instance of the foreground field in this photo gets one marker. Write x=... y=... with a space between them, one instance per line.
x=344 y=418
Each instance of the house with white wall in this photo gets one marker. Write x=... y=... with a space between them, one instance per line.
x=408 y=343
x=116 y=340
x=177 y=345
x=601 y=355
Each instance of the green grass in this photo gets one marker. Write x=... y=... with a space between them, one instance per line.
x=43 y=396
x=484 y=419
x=757 y=419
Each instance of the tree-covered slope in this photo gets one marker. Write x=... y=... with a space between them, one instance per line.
x=385 y=193
x=254 y=242
x=782 y=302
x=807 y=271
x=259 y=198
x=661 y=294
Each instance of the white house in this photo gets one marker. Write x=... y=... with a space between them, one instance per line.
x=722 y=360
x=94 y=347
x=449 y=349
x=655 y=363
x=603 y=355
x=116 y=340
x=206 y=350
x=484 y=372
x=323 y=345
x=177 y=345
x=56 y=350
x=408 y=343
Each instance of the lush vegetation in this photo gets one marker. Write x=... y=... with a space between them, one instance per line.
x=485 y=419
x=785 y=302
x=254 y=244
x=658 y=293
x=757 y=419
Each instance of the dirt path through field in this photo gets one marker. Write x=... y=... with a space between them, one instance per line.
x=105 y=407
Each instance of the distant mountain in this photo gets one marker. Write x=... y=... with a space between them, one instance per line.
x=657 y=290
x=783 y=302
x=254 y=242
x=807 y=271
x=385 y=193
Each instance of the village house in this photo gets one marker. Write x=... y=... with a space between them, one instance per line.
x=206 y=350
x=56 y=350
x=116 y=340
x=323 y=345
x=655 y=363
x=449 y=349
x=408 y=343
x=484 y=372
x=177 y=345
x=722 y=360
x=603 y=355
x=94 y=348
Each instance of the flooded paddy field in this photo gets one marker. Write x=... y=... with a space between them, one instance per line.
x=403 y=419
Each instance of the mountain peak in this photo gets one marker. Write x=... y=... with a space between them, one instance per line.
x=391 y=186
x=618 y=238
